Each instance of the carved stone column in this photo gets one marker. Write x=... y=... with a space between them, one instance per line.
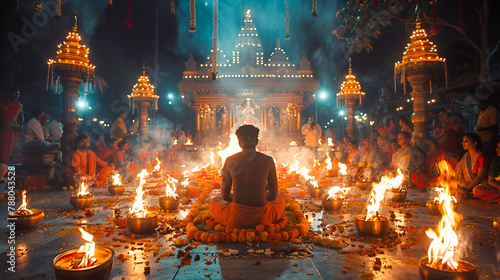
x=71 y=82
x=418 y=79
x=143 y=118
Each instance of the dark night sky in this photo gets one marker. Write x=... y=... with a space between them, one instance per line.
x=118 y=52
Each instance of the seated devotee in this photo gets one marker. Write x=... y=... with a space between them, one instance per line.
x=448 y=132
x=384 y=149
x=472 y=169
x=107 y=153
x=404 y=123
x=252 y=176
x=371 y=161
x=430 y=170
x=118 y=129
x=353 y=157
x=144 y=155
x=98 y=145
x=85 y=163
x=43 y=123
x=122 y=160
x=407 y=158
x=55 y=129
x=491 y=192
x=34 y=139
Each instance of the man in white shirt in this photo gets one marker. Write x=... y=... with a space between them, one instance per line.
x=34 y=140
x=312 y=132
x=55 y=129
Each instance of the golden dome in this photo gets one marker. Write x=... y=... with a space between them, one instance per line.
x=350 y=87
x=143 y=88
x=420 y=49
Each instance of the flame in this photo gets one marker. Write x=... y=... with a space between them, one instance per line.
x=231 y=149
x=444 y=239
x=175 y=142
x=342 y=168
x=116 y=180
x=24 y=206
x=185 y=183
x=337 y=192
x=157 y=166
x=88 y=249
x=316 y=163
x=188 y=142
x=212 y=158
x=83 y=190
x=330 y=142
x=377 y=194
x=328 y=161
x=293 y=143
x=443 y=196
x=137 y=208
x=170 y=188
x=397 y=182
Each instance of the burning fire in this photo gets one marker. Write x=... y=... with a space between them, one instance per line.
x=342 y=168
x=88 y=249
x=157 y=166
x=330 y=142
x=316 y=163
x=444 y=239
x=23 y=209
x=171 y=188
x=137 y=208
x=328 y=161
x=231 y=149
x=188 y=142
x=185 y=183
x=293 y=143
x=212 y=158
x=337 y=192
x=377 y=194
x=116 y=180
x=83 y=190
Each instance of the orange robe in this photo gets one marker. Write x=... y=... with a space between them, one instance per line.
x=8 y=136
x=88 y=166
x=242 y=216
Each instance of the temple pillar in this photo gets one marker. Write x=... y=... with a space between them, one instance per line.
x=350 y=105
x=71 y=82
x=143 y=118
x=419 y=81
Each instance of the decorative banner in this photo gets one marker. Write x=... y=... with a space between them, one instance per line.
x=315 y=8
x=129 y=15
x=110 y=5
x=172 y=9
x=215 y=38
x=38 y=5
x=58 y=10
x=287 y=37
x=192 y=19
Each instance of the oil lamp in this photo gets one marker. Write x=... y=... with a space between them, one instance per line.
x=169 y=202
x=116 y=188
x=335 y=198
x=436 y=205
x=342 y=171
x=139 y=220
x=157 y=171
x=26 y=218
x=87 y=262
x=83 y=198
x=397 y=191
x=183 y=187
x=329 y=165
x=314 y=190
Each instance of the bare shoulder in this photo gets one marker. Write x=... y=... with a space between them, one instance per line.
x=266 y=158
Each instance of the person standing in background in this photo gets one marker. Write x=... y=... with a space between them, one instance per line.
x=11 y=116
x=312 y=132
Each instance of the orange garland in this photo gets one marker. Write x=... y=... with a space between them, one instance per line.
x=261 y=233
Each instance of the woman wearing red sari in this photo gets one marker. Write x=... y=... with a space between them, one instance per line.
x=10 y=112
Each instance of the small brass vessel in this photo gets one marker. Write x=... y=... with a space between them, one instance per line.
x=183 y=192
x=81 y=202
x=398 y=195
x=362 y=185
x=331 y=204
x=496 y=223
x=28 y=221
x=142 y=225
x=100 y=271
x=436 y=208
x=465 y=271
x=168 y=203
x=315 y=192
x=374 y=228
x=116 y=190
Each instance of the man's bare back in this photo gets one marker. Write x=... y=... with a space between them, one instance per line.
x=250 y=173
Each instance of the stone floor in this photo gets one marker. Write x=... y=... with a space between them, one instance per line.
x=399 y=251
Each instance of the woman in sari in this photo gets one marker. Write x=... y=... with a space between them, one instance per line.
x=11 y=111
x=472 y=170
x=491 y=192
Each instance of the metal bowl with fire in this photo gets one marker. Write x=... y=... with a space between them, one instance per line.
x=116 y=188
x=335 y=198
x=398 y=191
x=83 y=199
x=314 y=190
x=182 y=188
x=169 y=202
x=26 y=218
x=373 y=223
x=87 y=262
x=440 y=262
x=139 y=220
x=363 y=184
x=436 y=205
x=342 y=173
x=157 y=173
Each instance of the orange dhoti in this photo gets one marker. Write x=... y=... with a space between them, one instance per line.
x=242 y=216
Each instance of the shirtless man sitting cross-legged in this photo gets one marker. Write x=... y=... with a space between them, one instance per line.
x=252 y=175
